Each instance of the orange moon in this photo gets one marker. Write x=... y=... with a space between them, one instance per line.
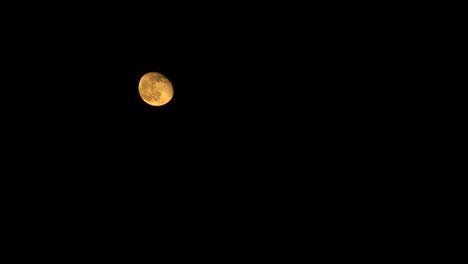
x=155 y=89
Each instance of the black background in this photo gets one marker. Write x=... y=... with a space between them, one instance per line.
x=275 y=114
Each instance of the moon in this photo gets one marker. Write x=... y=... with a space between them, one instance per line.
x=155 y=89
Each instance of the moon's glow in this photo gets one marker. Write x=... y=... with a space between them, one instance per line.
x=155 y=89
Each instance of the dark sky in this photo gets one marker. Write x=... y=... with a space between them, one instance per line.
x=260 y=106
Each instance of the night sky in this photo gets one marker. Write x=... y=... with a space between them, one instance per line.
x=271 y=112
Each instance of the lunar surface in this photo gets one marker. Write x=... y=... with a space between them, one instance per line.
x=155 y=89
